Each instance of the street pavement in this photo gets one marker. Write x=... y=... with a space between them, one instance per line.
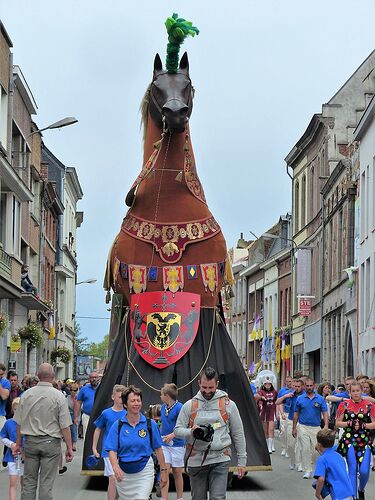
x=280 y=484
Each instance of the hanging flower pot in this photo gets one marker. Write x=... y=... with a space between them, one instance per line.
x=62 y=354
x=4 y=323
x=31 y=333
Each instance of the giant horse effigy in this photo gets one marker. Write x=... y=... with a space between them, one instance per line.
x=169 y=263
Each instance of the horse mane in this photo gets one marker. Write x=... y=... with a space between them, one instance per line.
x=143 y=109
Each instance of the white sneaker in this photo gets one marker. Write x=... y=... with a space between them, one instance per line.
x=286 y=455
x=307 y=475
x=292 y=466
x=283 y=453
x=299 y=469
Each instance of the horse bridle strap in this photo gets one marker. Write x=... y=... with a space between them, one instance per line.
x=157 y=105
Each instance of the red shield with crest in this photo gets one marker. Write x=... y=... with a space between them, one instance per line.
x=163 y=325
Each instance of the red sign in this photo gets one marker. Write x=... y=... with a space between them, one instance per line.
x=164 y=325
x=304 y=306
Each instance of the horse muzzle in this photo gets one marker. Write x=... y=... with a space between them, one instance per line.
x=175 y=116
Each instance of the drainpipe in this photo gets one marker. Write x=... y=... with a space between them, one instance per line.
x=322 y=270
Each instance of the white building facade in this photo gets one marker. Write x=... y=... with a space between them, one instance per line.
x=365 y=135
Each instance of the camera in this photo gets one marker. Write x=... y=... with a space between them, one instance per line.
x=204 y=433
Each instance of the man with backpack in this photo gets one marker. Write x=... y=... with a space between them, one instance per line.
x=209 y=423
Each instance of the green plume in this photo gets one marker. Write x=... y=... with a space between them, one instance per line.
x=178 y=29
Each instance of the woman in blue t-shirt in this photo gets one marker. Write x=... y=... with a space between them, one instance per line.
x=130 y=444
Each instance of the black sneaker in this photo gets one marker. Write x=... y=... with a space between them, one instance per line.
x=158 y=489
x=63 y=469
x=361 y=495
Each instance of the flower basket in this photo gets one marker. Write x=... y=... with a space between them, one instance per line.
x=4 y=323
x=32 y=334
x=61 y=353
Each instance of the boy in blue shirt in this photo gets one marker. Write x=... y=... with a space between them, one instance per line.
x=8 y=437
x=105 y=422
x=173 y=448
x=330 y=470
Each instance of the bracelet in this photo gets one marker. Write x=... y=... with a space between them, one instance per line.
x=162 y=470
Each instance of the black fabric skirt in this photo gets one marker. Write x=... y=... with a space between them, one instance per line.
x=213 y=344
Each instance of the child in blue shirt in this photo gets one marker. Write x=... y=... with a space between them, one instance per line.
x=330 y=470
x=8 y=436
x=173 y=448
x=105 y=422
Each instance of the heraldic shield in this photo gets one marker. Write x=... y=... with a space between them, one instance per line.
x=163 y=325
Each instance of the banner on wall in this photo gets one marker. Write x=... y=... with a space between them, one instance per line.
x=304 y=306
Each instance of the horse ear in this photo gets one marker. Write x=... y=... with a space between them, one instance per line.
x=184 y=63
x=158 y=65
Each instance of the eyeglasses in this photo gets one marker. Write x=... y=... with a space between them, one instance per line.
x=73 y=390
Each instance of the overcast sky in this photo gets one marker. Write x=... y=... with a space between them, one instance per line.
x=261 y=69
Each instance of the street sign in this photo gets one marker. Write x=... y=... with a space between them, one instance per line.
x=304 y=306
x=12 y=364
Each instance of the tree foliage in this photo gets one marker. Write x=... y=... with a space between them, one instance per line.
x=85 y=348
x=100 y=349
x=80 y=343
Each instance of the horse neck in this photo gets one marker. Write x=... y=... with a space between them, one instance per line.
x=175 y=146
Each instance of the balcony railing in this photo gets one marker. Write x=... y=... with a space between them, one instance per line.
x=5 y=264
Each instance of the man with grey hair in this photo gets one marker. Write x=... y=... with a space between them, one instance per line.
x=42 y=418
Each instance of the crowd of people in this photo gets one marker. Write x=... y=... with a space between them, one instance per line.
x=336 y=422
x=138 y=448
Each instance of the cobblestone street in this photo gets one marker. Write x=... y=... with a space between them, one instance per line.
x=280 y=484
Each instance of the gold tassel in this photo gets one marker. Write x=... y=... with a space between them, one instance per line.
x=157 y=144
x=178 y=177
x=186 y=145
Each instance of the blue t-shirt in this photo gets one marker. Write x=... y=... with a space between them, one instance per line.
x=6 y=385
x=168 y=423
x=9 y=431
x=87 y=395
x=332 y=466
x=253 y=388
x=293 y=402
x=134 y=441
x=105 y=421
x=288 y=401
x=310 y=409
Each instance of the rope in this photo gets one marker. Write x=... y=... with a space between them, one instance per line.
x=159 y=190
x=140 y=376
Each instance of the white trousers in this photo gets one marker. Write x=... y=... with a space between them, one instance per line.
x=85 y=423
x=291 y=442
x=283 y=431
x=2 y=422
x=306 y=436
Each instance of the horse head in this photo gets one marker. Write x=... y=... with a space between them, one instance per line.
x=171 y=96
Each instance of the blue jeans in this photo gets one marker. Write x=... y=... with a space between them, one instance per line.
x=73 y=429
x=211 y=478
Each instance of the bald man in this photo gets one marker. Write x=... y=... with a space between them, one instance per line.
x=43 y=419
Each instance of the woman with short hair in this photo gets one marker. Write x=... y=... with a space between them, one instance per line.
x=130 y=444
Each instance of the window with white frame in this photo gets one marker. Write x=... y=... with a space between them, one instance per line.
x=10 y=223
x=3 y=118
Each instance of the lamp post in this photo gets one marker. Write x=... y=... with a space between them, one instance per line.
x=65 y=122
x=89 y=281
